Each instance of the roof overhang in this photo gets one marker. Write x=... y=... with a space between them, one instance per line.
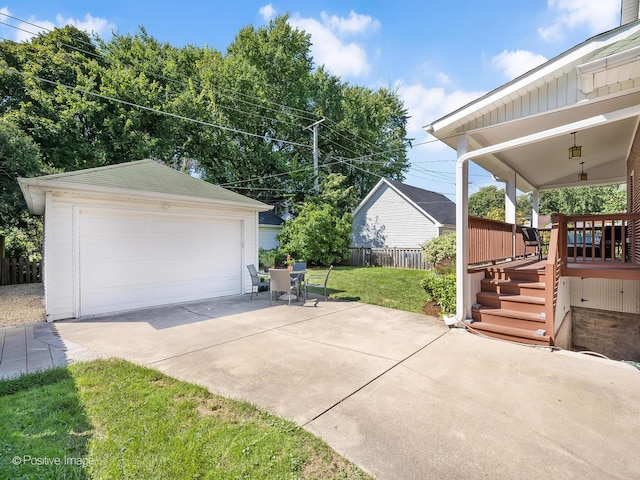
x=34 y=191
x=535 y=143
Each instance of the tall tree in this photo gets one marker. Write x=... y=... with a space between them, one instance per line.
x=584 y=200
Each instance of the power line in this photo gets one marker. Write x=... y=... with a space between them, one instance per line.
x=150 y=109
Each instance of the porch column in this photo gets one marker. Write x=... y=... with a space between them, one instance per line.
x=510 y=207
x=462 y=231
x=510 y=198
x=535 y=208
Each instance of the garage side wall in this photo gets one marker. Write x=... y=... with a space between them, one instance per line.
x=62 y=242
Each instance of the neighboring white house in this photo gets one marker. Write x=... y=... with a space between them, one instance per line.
x=269 y=226
x=397 y=215
x=140 y=234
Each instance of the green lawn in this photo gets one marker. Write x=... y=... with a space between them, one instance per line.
x=388 y=287
x=113 y=419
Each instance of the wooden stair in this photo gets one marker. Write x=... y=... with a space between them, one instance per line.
x=511 y=306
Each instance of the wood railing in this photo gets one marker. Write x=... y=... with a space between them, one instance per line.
x=553 y=269
x=491 y=241
x=611 y=238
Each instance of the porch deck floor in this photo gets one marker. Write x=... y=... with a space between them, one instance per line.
x=576 y=267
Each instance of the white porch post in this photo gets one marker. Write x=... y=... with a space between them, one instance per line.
x=510 y=198
x=462 y=231
x=510 y=207
x=535 y=208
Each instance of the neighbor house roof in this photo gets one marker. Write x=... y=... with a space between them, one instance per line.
x=146 y=178
x=432 y=204
x=270 y=218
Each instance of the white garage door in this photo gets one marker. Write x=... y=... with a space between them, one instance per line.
x=134 y=260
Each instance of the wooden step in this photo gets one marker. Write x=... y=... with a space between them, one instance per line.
x=512 y=334
x=506 y=273
x=508 y=318
x=518 y=303
x=513 y=287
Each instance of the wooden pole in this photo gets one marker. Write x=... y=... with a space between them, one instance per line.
x=2 y=245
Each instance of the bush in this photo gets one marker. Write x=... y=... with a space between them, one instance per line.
x=268 y=258
x=441 y=289
x=440 y=252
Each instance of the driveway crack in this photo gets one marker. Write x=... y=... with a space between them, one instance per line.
x=384 y=372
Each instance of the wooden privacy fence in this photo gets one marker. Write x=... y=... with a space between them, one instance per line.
x=13 y=271
x=410 y=258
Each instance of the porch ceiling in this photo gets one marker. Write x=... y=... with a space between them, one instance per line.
x=545 y=164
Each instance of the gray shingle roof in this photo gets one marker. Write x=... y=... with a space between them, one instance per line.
x=145 y=176
x=435 y=204
x=269 y=218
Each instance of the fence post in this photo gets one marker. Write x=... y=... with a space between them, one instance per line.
x=2 y=244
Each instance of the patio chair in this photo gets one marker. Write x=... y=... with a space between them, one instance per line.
x=298 y=279
x=317 y=281
x=257 y=280
x=531 y=238
x=280 y=282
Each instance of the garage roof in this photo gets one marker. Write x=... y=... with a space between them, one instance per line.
x=140 y=178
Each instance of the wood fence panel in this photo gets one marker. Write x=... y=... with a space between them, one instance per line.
x=409 y=258
x=18 y=271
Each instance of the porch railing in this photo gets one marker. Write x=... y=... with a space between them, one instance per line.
x=610 y=238
x=491 y=241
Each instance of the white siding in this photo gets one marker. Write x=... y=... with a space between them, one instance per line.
x=388 y=220
x=604 y=294
x=61 y=246
x=268 y=236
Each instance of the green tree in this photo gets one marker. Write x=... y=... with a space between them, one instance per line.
x=321 y=234
x=19 y=157
x=584 y=200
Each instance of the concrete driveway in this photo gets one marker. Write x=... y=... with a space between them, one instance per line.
x=398 y=393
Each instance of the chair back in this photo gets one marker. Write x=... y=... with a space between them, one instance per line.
x=327 y=277
x=280 y=280
x=297 y=266
x=255 y=279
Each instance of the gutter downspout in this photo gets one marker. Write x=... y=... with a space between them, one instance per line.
x=462 y=189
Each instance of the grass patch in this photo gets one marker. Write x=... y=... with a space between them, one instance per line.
x=114 y=419
x=388 y=287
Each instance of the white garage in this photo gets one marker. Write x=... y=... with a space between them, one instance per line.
x=140 y=234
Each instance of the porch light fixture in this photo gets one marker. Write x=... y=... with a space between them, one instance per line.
x=576 y=150
x=582 y=176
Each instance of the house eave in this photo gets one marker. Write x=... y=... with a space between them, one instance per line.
x=34 y=191
x=445 y=127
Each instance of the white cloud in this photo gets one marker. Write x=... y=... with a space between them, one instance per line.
x=355 y=24
x=267 y=12
x=427 y=104
x=23 y=31
x=90 y=24
x=329 y=49
x=597 y=15
x=514 y=63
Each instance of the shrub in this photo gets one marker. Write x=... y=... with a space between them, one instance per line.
x=441 y=253
x=268 y=258
x=441 y=289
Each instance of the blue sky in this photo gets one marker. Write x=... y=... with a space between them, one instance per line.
x=438 y=55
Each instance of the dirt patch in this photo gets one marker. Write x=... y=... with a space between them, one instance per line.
x=21 y=304
x=432 y=309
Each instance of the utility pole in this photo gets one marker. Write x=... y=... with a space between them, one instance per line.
x=315 y=151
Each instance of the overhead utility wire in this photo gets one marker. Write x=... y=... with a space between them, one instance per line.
x=150 y=109
x=306 y=117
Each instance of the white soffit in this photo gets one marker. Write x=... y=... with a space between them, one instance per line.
x=611 y=70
